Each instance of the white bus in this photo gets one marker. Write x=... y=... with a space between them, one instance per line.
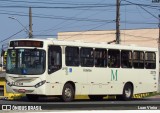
x=49 y=67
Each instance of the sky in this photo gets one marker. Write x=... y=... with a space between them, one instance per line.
x=52 y=16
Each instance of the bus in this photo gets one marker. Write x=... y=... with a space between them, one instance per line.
x=51 y=67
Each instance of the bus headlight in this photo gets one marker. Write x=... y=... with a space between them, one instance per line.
x=40 y=84
x=8 y=83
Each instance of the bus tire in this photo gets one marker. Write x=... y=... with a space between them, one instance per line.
x=127 y=93
x=95 y=97
x=32 y=98
x=68 y=93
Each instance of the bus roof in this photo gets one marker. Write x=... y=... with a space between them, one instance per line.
x=80 y=43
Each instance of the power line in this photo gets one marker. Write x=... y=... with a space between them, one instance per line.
x=56 y=7
x=12 y=36
x=144 y=5
x=73 y=16
x=108 y=33
x=70 y=3
x=61 y=3
x=140 y=5
x=67 y=27
x=79 y=19
x=73 y=7
x=48 y=3
x=91 y=29
x=140 y=36
x=149 y=12
x=66 y=18
x=134 y=22
x=56 y=17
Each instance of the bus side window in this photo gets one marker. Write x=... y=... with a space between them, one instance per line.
x=126 y=59
x=150 y=60
x=54 y=59
x=87 y=57
x=100 y=57
x=138 y=59
x=72 y=56
x=113 y=58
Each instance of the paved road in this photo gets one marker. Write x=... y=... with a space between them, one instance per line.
x=55 y=104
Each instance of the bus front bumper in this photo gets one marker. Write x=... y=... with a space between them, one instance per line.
x=25 y=90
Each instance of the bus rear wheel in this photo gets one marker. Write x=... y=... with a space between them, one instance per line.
x=127 y=93
x=68 y=93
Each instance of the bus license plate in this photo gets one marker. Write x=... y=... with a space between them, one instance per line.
x=21 y=90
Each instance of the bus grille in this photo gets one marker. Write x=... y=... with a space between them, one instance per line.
x=24 y=80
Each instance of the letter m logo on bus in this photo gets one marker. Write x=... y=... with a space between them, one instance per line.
x=114 y=75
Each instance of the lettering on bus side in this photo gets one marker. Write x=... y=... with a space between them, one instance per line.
x=114 y=75
x=153 y=73
x=87 y=70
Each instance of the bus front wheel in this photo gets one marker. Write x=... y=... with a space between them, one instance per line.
x=68 y=93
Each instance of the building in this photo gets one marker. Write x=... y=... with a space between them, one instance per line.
x=141 y=37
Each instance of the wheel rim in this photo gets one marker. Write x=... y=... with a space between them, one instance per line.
x=68 y=93
x=128 y=93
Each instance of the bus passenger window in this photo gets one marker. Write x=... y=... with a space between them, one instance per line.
x=138 y=59
x=72 y=56
x=150 y=60
x=113 y=58
x=100 y=57
x=126 y=59
x=54 y=59
x=87 y=58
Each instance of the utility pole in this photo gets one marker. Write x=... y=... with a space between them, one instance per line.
x=159 y=35
x=30 y=23
x=159 y=52
x=117 y=23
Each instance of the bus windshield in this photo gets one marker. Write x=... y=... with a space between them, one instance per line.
x=25 y=61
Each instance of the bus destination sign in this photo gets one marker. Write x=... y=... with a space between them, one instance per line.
x=26 y=43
